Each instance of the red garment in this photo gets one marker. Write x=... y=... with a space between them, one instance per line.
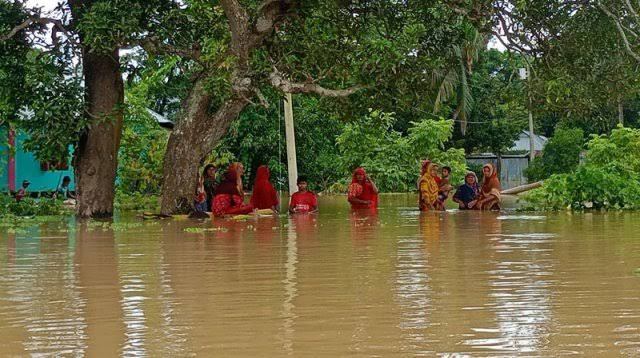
x=264 y=195
x=229 y=184
x=303 y=202
x=362 y=190
x=226 y=204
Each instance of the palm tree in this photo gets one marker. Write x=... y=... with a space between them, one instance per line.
x=453 y=80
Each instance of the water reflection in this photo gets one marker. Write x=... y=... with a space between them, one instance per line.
x=393 y=283
x=96 y=263
x=412 y=282
x=290 y=286
x=520 y=288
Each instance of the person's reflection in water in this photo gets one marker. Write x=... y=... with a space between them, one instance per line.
x=364 y=223
x=306 y=225
x=413 y=280
x=99 y=282
x=265 y=229
x=520 y=293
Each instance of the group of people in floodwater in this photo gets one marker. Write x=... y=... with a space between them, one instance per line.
x=226 y=196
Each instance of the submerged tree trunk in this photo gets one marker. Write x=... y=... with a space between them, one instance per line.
x=193 y=137
x=96 y=158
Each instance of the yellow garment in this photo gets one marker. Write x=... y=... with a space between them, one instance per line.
x=428 y=190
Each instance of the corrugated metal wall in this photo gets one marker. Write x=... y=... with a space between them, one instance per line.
x=512 y=169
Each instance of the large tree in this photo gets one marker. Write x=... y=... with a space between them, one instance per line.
x=94 y=32
x=328 y=48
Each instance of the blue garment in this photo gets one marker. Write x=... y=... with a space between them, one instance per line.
x=201 y=207
x=466 y=193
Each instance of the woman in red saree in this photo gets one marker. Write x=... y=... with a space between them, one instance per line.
x=228 y=198
x=489 y=196
x=363 y=193
x=264 y=195
x=428 y=187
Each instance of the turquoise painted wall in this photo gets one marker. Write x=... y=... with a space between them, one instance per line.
x=4 y=158
x=27 y=167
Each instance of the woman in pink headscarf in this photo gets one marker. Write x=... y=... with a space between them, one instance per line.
x=363 y=193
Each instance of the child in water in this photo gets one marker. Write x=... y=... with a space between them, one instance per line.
x=201 y=197
x=444 y=187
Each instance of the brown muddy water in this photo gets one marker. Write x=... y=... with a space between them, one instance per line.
x=397 y=284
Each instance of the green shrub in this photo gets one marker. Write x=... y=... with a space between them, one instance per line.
x=393 y=159
x=30 y=206
x=561 y=155
x=136 y=201
x=608 y=179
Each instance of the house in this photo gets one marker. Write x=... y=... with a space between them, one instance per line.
x=16 y=165
x=522 y=143
x=512 y=166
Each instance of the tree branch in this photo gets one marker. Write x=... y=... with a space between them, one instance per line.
x=58 y=26
x=270 y=14
x=623 y=36
x=282 y=83
x=155 y=46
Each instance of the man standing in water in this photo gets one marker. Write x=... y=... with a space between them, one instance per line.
x=303 y=201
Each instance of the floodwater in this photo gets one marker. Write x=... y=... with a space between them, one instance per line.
x=398 y=283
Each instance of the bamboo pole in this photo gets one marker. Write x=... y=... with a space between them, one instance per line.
x=521 y=188
x=292 y=164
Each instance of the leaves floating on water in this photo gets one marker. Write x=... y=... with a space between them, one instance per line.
x=200 y=230
x=636 y=272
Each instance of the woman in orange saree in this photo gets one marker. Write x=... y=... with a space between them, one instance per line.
x=489 y=196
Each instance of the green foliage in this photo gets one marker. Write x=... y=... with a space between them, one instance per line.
x=53 y=117
x=393 y=160
x=561 y=155
x=143 y=140
x=136 y=201
x=30 y=206
x=608 y=180
x=498 y=115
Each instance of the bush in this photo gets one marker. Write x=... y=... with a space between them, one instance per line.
x=393 y=160
x=30 y=206
x=608 y=179
x=136 y=201
x=561 y=155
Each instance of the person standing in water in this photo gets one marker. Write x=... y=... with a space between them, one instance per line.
x=467 y=193
x=428 y=186
x=489 y=196
x=264 y=195
x=362 y=192
x=229 y=196
x=303 y=201
x=209 y=183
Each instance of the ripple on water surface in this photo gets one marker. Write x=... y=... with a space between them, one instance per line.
x=393 y=283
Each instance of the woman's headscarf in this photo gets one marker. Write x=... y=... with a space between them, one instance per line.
x=362 y=189
x=466 y=192
x=491 y=183
x=428 y=186
x=264 y=195
x=358 y=171
x=232 y=183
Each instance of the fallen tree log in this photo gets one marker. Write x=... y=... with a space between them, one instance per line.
x=521 y=188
